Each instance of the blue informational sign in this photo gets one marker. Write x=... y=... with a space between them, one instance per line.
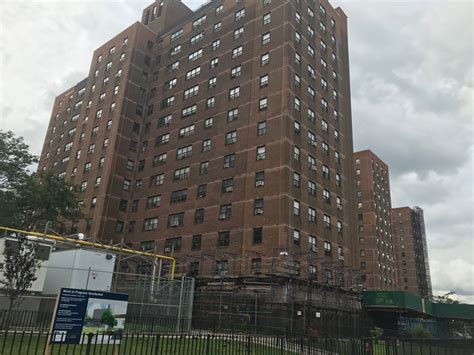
x=81 y=312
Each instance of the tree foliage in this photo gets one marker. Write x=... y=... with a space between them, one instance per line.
x=420 y=333
x=29 y=201
x=108 y=319
x=14 y=160
x=19 y=270
x=445 y=299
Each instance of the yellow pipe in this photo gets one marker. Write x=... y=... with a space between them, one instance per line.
x=96 y=245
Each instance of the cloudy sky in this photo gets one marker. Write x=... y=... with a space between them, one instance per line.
x=412 y=98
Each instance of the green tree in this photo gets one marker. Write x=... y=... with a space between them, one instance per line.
x=18 y=271
x=420 y=333
x=445 y=299
x=108 y=319
x=14 y=160
x=29 y=201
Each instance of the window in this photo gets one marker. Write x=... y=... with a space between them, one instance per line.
x=261 y=152
x=172 y=245
x=184 y=152
x=311 y=188
x=311 y=115
x=201 y=191
x=237 y=52
x=182 y=173
x=208 y=123
x=327 y=247
x=239 y=14
x=296 y=127
x=296 y=179
x=193 y=73
x=225 y=212
x=311 y=163
x=221 y=267
x=325 y=147
x=232 y=115
x=257 y=236
x=229 y=161
x=195 y=55
x=189 y=111
x=311 y=139
x=199 y=21
x=339 y=226
x=296 y=237
x=193 y=91
x=167 y=102
x=338 y=203
x=265 y=59
x=215 y=45
x=206 y=145
x=176 y=219
x=327 y=221
x=267 y=18
x=176 y=50
x=199 y=216
x=262 y=128
x=296 y=153
x=83 y=186
x=297 y=105
x=310 y=34
x=264 y=81
x=297 y=37
x=259 y=178
x=171 y=83
x=338 y=179
x=87 y=167
x=179 y=196
x=123 y=205
x=163 y=139
x=297 y=17
x=150 y=224
x=258 y=206
x=212 y=82
x=227 y=185
x=204 y=168
x=231 y=137
x=265 y=38
x=236 y=72
x=159 y=159
x=312 y=243
x=211 y=102
x=174 y=36
x=296 y=207
x=153 y=201
x=327 y=196
x=311 y=72
x=311 y=51
x=297 y=80
x=311 y=215
x=325 y=172
x=263 y=104
x=157 y=180
x=164 y=121
x=239 y=32
x=214 y=63
x=219 y=9
x=218 y=27
x=196 y=242
x=234 y=93
x=297 y=59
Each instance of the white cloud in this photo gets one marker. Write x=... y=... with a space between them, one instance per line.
x=411 y=78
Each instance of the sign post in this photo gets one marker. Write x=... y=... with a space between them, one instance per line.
x=82 y=312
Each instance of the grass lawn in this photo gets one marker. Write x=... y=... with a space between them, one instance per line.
x=142 y=345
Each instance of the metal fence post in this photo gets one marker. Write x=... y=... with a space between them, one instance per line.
x=89 y=342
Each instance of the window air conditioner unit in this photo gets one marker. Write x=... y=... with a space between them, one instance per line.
x=167 y=249
x=229 y=189
x=222 y=216
x=259 y=211
x=174 y=224
x=260 y=183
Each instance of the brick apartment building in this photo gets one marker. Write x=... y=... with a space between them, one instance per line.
x=223 y=137
x=408 y=229
x=375 y=243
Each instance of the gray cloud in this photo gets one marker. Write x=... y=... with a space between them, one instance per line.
x=411 y=77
